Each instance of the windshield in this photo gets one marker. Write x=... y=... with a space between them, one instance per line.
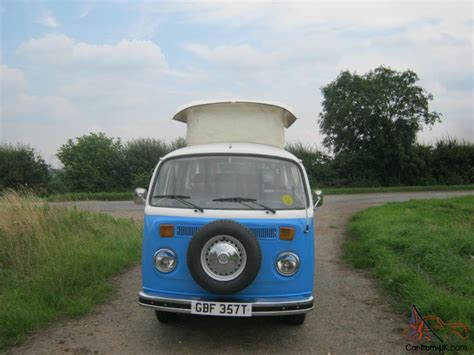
x=274 y=183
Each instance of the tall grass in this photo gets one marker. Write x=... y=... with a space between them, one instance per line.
x=92 y=196
x=56 y=262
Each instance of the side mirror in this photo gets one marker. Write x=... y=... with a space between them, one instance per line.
x=318 y=195
x=139 y=196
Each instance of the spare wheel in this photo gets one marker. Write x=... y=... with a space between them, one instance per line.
x=224 y=257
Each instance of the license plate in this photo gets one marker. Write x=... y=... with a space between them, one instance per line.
x=221 y=309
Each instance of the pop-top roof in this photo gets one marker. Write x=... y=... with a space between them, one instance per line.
x=287 y=113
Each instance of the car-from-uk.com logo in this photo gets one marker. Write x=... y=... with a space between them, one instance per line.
x=431 y=333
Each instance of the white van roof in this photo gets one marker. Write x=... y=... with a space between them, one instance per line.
x=238 y=121
x=182 y=113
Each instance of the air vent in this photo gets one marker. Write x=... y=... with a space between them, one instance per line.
x=186 y=231
x=264 y=232
x=260 y=232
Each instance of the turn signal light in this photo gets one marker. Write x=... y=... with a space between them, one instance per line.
x=166 y=230
x=287 y=233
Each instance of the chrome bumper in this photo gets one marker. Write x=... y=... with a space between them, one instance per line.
x=272 y=308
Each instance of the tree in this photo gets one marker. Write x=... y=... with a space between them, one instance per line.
x=21 y=166
x=94 y=163
x=376 y=117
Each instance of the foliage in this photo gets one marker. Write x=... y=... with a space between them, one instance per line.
x=421 y=253
x=56 y=262
x=93 y=163
x=371 y=120
x=20 y=167
x=56 y=181
x=452 y=162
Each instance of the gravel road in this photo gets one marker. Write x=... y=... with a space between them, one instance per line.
x=350 y=315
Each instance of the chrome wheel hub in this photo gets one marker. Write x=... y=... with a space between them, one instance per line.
x=223 y=258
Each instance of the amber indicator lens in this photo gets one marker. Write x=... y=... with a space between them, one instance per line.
x=166 y=230
x=287 y=233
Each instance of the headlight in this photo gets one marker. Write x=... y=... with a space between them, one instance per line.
x=287 y=263
x=165 y=260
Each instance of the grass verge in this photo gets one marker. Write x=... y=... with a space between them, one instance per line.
x=56 y=262
x=93 y=196
x=420 y=252
x=361 y=190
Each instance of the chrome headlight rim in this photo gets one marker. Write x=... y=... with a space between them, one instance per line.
x=287 y=255
x=165 y=252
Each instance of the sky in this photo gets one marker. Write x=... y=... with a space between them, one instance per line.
x=68 y=68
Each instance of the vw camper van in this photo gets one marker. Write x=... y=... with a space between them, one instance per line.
x=228 y=226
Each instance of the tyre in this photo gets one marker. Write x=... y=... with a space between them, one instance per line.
x=165 y=317
x=224 y=257
x=294 y=319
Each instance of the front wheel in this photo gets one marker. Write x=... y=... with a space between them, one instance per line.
x=294 y=319
x=165 y=317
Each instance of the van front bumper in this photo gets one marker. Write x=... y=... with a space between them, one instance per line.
x=259 y=308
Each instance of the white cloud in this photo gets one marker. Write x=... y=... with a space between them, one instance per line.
x=59 y=49
x=86 y=9
x=240 y=56
x=39 y=109
x=47 y=19
x=30 y=119
x=12 y=81
x=17 y=104
x=327 y=15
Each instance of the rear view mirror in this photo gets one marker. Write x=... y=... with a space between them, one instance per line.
x=318 y=196
x=139 y=196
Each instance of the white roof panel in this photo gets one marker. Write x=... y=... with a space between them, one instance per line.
x=182 y=114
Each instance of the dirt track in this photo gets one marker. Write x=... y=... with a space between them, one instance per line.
x=350 y=315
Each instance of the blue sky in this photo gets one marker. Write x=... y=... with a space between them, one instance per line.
x=68 y=68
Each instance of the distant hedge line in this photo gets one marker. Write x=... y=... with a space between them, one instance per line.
x=97 y=163
x=447 y=162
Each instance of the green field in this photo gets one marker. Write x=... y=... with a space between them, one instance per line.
x=56 y=262
x=422 y=253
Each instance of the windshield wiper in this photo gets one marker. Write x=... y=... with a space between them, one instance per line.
x=244 y=199
x=235 y=199
x=182 y=199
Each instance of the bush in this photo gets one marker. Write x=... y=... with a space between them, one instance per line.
x=452 y=162
x=21 y=166
x=56 y=184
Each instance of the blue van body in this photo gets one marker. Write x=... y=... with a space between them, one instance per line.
x=268 y=285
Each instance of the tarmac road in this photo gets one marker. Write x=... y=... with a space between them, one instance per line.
x=350 y=316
